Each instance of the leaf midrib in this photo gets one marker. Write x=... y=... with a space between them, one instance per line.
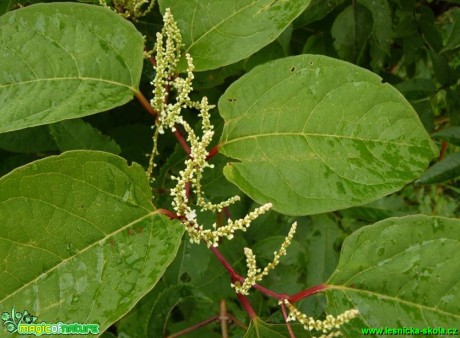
x=346 y=289
x=194 y=42
x=301 y=134
x=155 y=212
x=70 y=78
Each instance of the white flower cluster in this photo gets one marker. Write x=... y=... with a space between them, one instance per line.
x=254 y=275
x=167 y=52
x=167 y=55
x=328 y=327
x=130 y=8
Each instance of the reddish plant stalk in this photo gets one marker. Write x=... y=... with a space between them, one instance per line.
x=444 y=147
x=244 y=301
x=168 y=213
x=233 y=274
x=194 y=327
x=307 y=293
x=145 y=103
x=213 y=152
x=182 y=141
x=283 y=310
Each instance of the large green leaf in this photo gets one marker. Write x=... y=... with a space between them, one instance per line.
x=317 y=10
x=220 y=32
x=30 y=140
x=351 y=31
x=313 y=134
x=65 y=60
x=260 y=329
x=450 y=135
x=81 y=241
x=447 y=169
x=453 y=41
x=400 y=272
x=381 y=15
x=77 y=134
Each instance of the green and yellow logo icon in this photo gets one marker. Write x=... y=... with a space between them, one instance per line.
x=12 y=320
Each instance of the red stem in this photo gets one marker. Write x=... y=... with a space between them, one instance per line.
x=169 y=213
x=227 y=213
x=213 y=152
x=194 y=327
x=244 y=301
x=283 y=310
x=234 y=276
x=307 y=293
x=270 y=293
x=145 y=103
x=182 y=141
x=444 y=146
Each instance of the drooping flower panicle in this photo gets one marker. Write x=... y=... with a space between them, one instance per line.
x=172 y=95
x=329 y=326
x=254 y=274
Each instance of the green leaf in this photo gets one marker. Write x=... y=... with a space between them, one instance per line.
x=450 y=135
x=323 y=238
x=428 y=28
x=260 y=329
x=220 y=32
x=107 y=334
x=453 y=41
x=81 y=241
x=313 y=134
x=400 y=272
x=351 y=31
x=417 y=88
x=317 y=10
x=6 y=6
x=381 y=14
x=133 y=148
x=165 y=304
x=77 y=59
x=445 y=170
x=77 y=134
x=389 y=206
x=30 y=140
x=271 y=52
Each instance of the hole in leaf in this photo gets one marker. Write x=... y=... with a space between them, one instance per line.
x=292 y=69
x=185 y=277
x=231 y=100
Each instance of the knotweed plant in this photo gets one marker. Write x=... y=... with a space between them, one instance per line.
x=130 y=9
x=171 y=96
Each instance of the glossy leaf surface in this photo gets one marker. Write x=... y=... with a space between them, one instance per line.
x=78 y=59
x=81 y=241
x=442 y=171
x=312 y=134
x=220 y=32
x=400 y=272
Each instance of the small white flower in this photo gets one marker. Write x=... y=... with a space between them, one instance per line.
x=191 y=215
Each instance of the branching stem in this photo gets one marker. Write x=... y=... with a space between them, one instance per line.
x=288 y=324
x=195 y=327
x=145 y=103
x=307 y=293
